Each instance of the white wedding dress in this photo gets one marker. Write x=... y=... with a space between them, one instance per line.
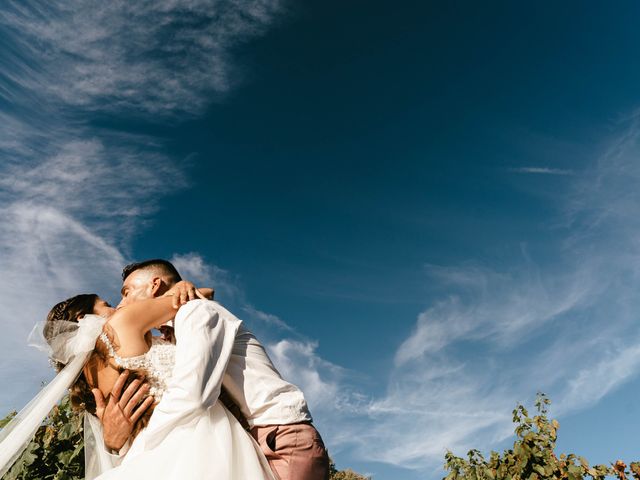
x=190 y=435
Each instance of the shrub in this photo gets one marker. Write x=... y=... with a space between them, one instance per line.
x=533 y=455
x=57 y=450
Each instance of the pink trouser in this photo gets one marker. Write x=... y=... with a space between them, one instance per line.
x=294 y=452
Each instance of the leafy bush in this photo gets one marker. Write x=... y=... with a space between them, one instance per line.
x=57 y=450
x=533 y=455
x=347 y=474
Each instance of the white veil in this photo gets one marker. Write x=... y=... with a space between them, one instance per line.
x=71 y=343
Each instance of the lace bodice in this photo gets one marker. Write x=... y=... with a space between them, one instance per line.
x=157 y=363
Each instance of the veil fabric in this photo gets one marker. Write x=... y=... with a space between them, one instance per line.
x=71 y=343
x=96 y=459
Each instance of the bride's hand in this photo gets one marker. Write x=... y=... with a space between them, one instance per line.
x=184 y=291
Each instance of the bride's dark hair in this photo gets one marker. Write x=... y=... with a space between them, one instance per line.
x=82 y=399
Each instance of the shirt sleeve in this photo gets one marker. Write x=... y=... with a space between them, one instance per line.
x=205 y=334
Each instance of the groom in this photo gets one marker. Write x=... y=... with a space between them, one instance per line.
x=275 y=410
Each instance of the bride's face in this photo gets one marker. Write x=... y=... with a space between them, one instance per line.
x=102 y=308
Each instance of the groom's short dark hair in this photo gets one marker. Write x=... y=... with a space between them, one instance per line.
x=164 y=266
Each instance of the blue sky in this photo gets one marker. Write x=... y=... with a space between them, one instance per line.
x=427 y=212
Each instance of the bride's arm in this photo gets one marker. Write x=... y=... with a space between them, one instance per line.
x=143 y=315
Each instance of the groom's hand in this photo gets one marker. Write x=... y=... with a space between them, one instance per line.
x=122 y=411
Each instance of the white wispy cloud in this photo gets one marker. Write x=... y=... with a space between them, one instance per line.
x=160 y=57
x=268 y=318
x=319 y=379
x=503 y=307
x=542 y=171
x=587 y=386
x=192 y=266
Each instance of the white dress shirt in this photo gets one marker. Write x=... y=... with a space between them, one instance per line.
x=257 y=387
x=242 y=366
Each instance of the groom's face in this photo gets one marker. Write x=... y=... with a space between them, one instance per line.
x=139 y=285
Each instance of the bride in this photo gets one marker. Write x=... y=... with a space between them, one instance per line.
x=186 y=432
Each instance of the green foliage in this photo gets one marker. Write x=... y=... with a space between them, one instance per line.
x=7 y=419
x=57 y=450
x=347 y=474
x=532 y=456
